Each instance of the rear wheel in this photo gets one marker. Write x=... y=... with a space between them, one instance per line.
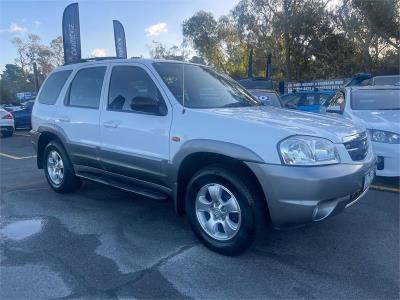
x=58 y=169
x=222 y=209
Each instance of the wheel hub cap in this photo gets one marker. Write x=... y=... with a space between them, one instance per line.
x=218 y=211
x=55 y=167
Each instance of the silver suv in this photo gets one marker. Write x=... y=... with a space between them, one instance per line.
x=178 y=131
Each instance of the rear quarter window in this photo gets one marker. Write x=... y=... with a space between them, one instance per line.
x=52 y=87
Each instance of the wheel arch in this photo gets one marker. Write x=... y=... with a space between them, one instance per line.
x=202 y=153
x=46 y=135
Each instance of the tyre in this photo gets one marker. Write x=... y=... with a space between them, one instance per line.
x=8 y=133
x=58 y=169
x=223 y=209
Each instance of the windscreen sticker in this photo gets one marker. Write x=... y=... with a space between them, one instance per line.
x=263 y=98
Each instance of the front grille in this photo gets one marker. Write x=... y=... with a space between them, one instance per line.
x=358 y=147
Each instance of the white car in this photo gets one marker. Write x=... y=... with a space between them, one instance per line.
x=6 y=123
x=386 y=80
x=179 y=131
x=377 y=108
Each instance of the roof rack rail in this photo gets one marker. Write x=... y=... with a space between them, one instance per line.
x=93 y=59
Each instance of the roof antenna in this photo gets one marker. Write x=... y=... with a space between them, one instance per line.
x=183 y=87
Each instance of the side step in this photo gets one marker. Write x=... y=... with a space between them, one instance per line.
x=123 y=186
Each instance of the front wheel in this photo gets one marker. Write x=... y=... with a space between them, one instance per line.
x=222 y=209
x=58 y=169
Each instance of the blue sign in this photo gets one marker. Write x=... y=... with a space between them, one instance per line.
x=25 y=96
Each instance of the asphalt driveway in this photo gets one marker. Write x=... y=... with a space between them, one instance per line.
x=106 y=243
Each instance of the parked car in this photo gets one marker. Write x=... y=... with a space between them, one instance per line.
x=11 y=106
x=377 y=108
x=22 y=116
x=261 y=88
x=386 y=80
x=6 y=123
x=307 y=100
x=179 y=131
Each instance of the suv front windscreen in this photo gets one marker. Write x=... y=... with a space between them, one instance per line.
x=202 y=87
x=375 y=100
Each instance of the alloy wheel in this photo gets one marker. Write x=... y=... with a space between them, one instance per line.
x=218 y=211
x=55 y=167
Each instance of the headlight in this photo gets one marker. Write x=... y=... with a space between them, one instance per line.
x=308 y=151
x=381 y=136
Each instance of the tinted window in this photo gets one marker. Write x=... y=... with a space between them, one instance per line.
x=52 y=87
x=203 y=87
x=291 y=100
x=85 y=89
x=386 y=80
x=132 y=90
x=375 y=100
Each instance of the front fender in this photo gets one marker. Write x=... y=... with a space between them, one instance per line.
x=231 y=150
x=235 y=151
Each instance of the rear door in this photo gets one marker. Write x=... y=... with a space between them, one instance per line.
x=79 y=114
x=135 y=131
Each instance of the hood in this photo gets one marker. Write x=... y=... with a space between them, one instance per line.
x=294 y=122
x=388 y=120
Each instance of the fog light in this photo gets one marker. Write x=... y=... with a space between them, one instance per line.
x=380 y=163
x=323 y=210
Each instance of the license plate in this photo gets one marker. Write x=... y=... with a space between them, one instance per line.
x=369 y=177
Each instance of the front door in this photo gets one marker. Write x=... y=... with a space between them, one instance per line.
x=135 y=125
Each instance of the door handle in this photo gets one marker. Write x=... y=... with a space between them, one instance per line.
x=63 y=119
x=110 y=124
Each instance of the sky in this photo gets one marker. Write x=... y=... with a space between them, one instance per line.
x=144 y=21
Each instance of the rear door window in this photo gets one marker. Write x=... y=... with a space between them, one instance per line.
x=52 y=87
x=85 y=89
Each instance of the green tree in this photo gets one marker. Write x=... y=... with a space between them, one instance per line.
x=217 y=42
x=32 y=50
x=160 y=51
x=307 y=41
x=383 y=18
x=57 y=52
x=373 y=26
x=14 y=80
x=201 y=30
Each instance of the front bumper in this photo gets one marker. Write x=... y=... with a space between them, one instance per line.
x=299 y=195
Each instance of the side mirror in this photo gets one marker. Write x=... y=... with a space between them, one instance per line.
x=148 y=105
x=336 y=109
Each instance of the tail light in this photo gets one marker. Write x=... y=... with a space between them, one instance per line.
x=8 y=116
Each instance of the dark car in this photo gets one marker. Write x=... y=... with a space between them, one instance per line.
x=22 y=117
x=262 y=89
x=309 y=100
